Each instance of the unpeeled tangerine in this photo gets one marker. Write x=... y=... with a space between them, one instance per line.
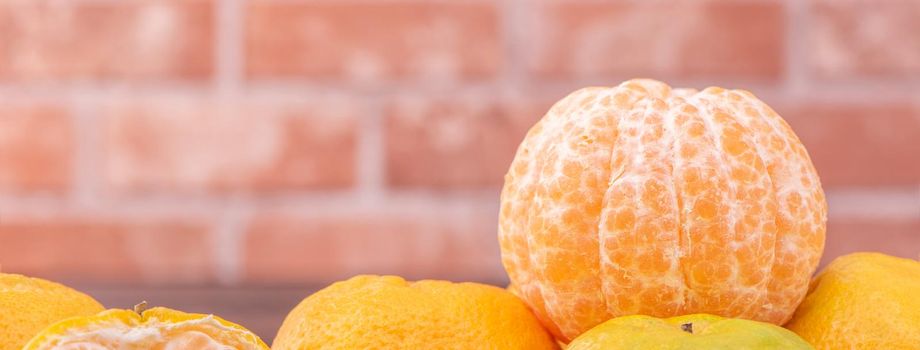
x=28 y=305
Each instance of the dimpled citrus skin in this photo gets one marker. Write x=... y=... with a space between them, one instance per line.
x=862 y=301
x=642 y=199
x=155 y=329
x=708 y=332
x=27 y=305
x=386 y=312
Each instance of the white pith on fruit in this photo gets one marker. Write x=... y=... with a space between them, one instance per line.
x=198 y=334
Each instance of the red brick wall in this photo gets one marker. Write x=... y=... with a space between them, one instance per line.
x=299 y=141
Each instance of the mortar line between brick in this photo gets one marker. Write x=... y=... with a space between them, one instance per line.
x=513 y=29
x=839 y=91
x=645 y=1
x=366 y=2
x=370 y=157
x=212 y=206
x=228 y=48
x=451 y=2
x=890 y=202
x=86 y=160
x=229 y=243
x=796 y=33
x=231 y=214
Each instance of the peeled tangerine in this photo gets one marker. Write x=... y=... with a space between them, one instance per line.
x=387 y=312
x=158 y=328
x=27 y=305
x=643 y=199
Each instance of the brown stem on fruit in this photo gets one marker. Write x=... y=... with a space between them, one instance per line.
x=687 y=327
x=140 y=308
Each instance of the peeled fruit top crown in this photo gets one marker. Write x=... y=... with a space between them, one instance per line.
x=642 y=199
x=156 y=328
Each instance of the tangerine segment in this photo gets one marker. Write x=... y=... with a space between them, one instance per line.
x=640 y=211
x=157 y=329
x=568 y=197
x=642 y=199
x=515 y=241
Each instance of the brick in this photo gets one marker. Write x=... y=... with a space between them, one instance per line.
x=107 y=250
x=142 y=40
x=372 y=41
x=875 y=39
x=893 y=236
x=35 y=148
x=303 y=248
x=624 y=39
x=455 y=142
x=859 y=144
x=188 y=145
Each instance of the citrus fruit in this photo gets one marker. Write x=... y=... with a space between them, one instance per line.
x=862 y=301
x=699 y=331
x=387 y=312
x=156 y=328
x=642 y=199
x=27 y=305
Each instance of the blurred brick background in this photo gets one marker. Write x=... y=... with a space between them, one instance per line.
x=233 y=155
